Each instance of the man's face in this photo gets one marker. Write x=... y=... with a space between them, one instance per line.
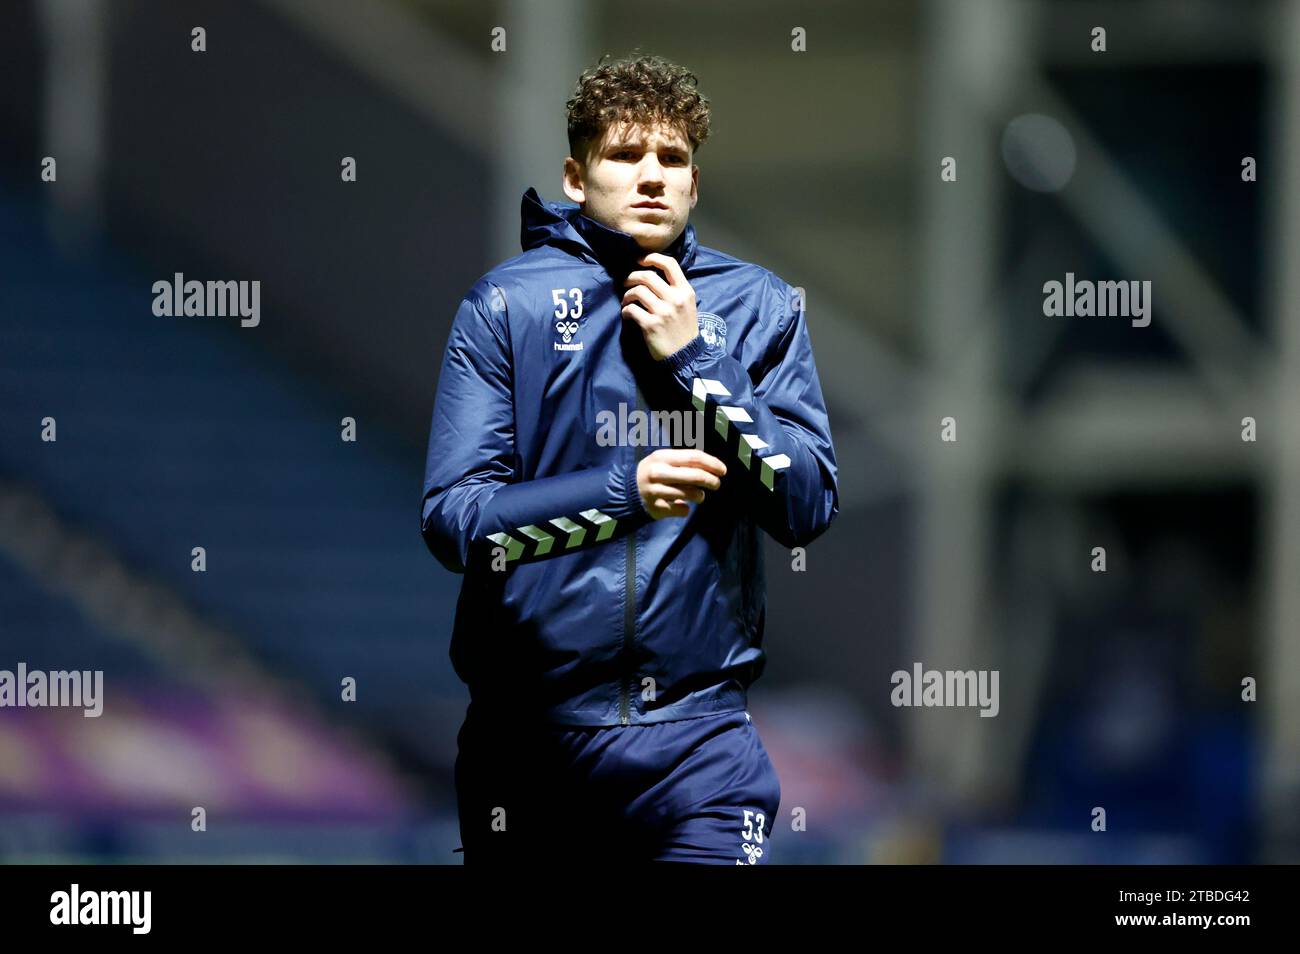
x=632 y=169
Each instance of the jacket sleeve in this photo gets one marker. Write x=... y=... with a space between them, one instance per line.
x=776 y=430
x=475 y=508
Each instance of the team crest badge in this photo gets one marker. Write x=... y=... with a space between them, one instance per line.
x=714 y=332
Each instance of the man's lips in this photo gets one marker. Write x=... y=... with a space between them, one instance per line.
x=650 y=205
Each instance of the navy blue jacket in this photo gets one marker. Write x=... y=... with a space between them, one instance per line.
x=578 y=608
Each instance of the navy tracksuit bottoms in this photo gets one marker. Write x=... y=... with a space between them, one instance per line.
x=696 y=790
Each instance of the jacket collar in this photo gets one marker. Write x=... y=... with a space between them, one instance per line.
x=562 y=223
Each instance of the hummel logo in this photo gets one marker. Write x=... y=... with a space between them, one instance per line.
x=567 y=329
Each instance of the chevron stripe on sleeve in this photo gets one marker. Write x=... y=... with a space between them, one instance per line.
x=727 y=417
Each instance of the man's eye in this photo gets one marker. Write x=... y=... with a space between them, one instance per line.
x=628 y=153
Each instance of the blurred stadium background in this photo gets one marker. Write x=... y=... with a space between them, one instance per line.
x=222 y=689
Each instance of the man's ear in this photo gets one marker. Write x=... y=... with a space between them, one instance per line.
x=695 y=185
x=572 y=181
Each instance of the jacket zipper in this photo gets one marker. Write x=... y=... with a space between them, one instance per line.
x=629 y=603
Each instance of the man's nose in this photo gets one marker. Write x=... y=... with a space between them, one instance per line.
x=652 y=171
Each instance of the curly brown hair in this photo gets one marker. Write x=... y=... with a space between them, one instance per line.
x=644 y=90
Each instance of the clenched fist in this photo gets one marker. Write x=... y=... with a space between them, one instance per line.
x=670 y=479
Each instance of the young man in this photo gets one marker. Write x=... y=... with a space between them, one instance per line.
x=611 y=617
